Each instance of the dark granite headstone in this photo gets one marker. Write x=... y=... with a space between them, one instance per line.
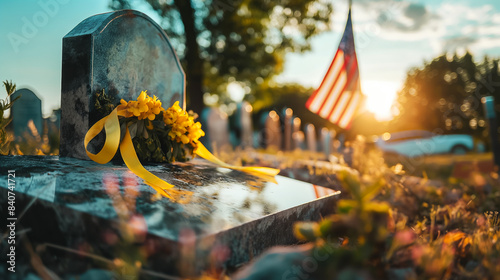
x=27 y=109
x=122 y=52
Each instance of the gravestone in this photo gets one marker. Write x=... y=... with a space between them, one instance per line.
x=297 y=122
x=287 y=129
x=311 y=138
x=26 y=110
x=298 y=140
x=216 y=126
x=246 y=124
x=124 y=53
x=272 y=131
x=339 y=143
x=242 y=125
x=327 y=140
x=81 y=215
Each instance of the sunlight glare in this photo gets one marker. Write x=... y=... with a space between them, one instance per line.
x=236 y=91
x=380 y=96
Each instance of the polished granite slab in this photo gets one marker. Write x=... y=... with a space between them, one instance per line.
x=83 y=201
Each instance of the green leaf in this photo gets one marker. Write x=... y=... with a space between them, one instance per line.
x=370 y=192
x=133 y=130
x=350 y=182
x=9 y=87
x=344 y=206
x=325 y=227
x=305 y=231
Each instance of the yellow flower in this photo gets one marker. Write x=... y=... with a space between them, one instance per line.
x=144 y=108
x=183 y=128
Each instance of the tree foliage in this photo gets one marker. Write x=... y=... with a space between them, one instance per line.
x=444 y=95
x=223 y=41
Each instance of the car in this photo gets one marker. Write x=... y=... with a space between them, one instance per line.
x=413 y=143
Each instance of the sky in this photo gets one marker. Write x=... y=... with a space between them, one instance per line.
x=391 y=37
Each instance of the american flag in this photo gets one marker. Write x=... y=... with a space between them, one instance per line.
x=339 y=96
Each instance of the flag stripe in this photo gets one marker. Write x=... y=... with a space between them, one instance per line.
x=317 y=96
x=347 y=119
x=338 y=78
x=329 y=80
x=342 y=103
x=344 y=109
x=335 y=92
x=353 y=75
x=339 y=53
x=333 y=95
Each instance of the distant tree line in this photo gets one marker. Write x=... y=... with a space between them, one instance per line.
x=444 y=95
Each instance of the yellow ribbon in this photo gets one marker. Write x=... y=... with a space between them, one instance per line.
x=111 y=126
x=132 y=162
x=203 y=152
x=112 y=129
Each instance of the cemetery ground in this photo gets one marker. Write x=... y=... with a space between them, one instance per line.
x=386 y=225
x=390 y=225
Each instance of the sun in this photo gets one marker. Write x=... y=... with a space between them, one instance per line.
x=380 y=96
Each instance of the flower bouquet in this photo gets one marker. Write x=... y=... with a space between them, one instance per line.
x=144 y=131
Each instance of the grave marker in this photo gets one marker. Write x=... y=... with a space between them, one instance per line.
x=27 y=109
x=244 y=124
x=124 y=53
x=311 y=138
x=298 y=138
x=288 y=130
x=272 y=131
x=327 y=140
x=216 y=126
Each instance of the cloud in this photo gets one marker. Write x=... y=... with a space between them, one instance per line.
x=458 y=42
x=446 y=26
x=472 y=28
x=398 y=20
x=411 y=18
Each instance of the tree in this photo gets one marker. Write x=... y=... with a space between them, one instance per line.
x=244 y=41
x=445 y=95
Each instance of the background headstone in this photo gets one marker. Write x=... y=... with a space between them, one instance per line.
x=327 y=140
x=298 y=138
x=244 y=128
x=122 y=52
x=272 y=131
x=339 y=143
x=27 y=108
x=216 y=126
x=311 y=138
x=287 y=130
